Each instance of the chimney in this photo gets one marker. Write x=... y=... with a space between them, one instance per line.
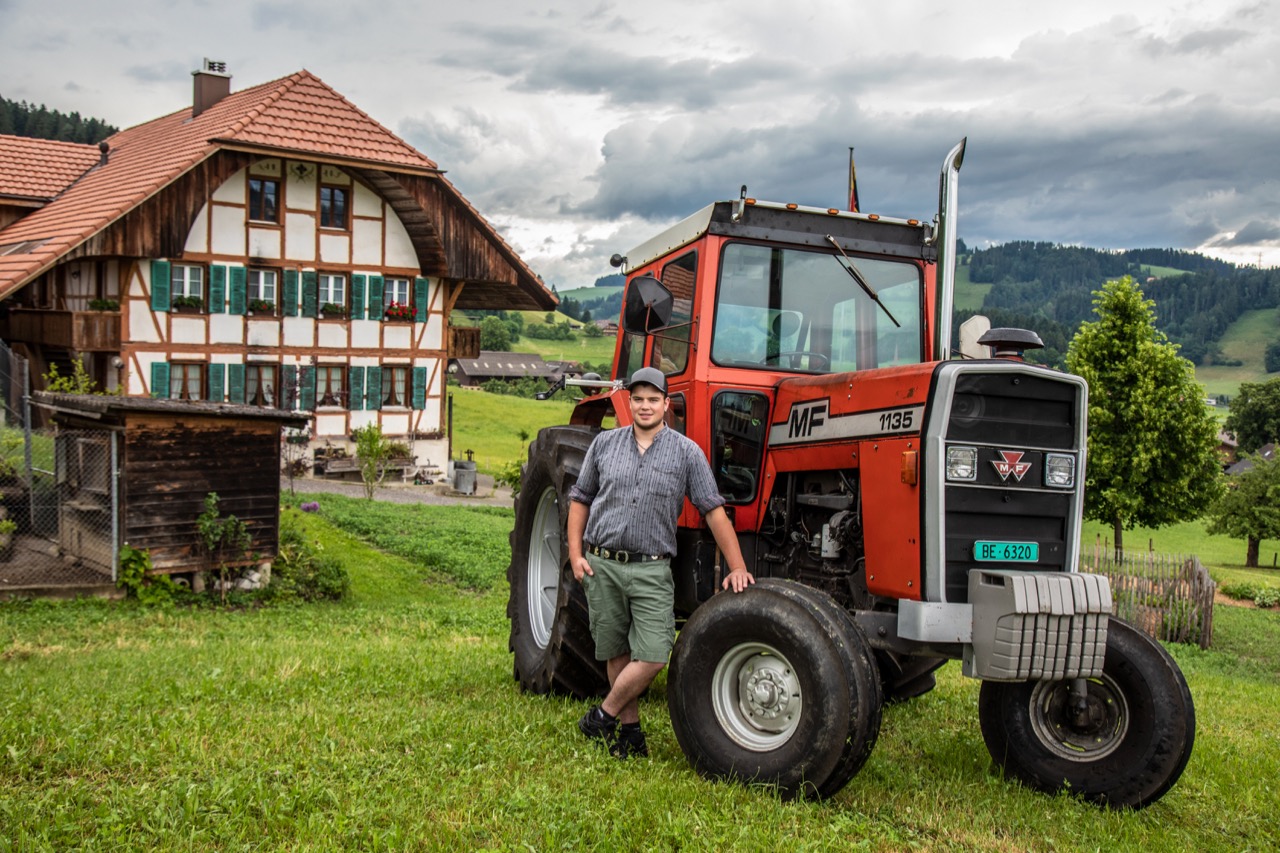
x=212 y=84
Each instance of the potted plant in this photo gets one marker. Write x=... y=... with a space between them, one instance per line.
x=398 y=312
x=332 y=310
x=187 y=304
x=261 y=306
x=104 y=305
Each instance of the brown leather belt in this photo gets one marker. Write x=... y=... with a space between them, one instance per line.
x=622 y=556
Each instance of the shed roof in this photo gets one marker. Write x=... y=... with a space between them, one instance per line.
x=506 y=365
x=110 y=407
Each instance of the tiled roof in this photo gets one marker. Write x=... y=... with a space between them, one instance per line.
x=39 y=169
x=295 y=114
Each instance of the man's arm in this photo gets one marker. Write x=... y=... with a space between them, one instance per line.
x=727 y=538
x=575 y=528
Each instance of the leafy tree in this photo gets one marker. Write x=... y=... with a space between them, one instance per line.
x=1152 y=445
x=1272 y=360
x=1255 y=414
x=1249 y=509
x=494 y=335
x=373 y=450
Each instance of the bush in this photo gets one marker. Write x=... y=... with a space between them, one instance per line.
x=1267 y=597
x=301 y=571
x=136 y=580
x=508 y=474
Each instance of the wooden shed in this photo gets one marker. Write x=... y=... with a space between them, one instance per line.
x=137 y=470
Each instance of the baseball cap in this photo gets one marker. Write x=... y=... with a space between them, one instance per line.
x=648 y=376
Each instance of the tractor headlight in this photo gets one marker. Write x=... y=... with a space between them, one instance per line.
x=1059 y=471
x=962 y=463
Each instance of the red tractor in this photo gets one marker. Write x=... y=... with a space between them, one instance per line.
x=899 y=508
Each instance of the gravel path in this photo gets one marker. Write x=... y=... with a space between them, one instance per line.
x=440 y=494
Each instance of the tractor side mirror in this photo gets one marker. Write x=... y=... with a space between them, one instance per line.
x=647 y=305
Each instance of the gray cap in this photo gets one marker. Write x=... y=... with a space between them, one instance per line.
x=648 y=376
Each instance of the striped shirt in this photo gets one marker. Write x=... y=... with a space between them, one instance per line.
x=635 y=498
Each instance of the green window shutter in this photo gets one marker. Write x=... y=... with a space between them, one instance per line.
x=217 y=382
x=235 y=383
x=419 y=300
x=419 y=387
x=355 y=388
x=238 y=296
x=217 y=289
x=290 y=295
x=375 y=297
x=289 y=387
x=160 y=379
x=373 y=388
x=357 y=299
x=307 y=389
x=310 y=294
x=160 y=287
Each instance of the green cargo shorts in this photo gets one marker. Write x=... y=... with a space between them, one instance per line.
x=632 y=609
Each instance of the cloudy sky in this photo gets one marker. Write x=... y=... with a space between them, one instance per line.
x=581 y=127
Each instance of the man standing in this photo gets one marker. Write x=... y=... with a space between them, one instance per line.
x=622 y=535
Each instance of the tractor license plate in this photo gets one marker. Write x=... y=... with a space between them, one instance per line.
x=1006 y=552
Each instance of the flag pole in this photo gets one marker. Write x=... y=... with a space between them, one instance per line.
x=853 y=183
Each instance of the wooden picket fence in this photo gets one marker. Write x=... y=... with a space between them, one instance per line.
x=1167 y=596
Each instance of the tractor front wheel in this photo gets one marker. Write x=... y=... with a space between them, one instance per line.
x=1123 y=746
x=773 y=685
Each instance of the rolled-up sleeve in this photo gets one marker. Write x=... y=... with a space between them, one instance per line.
x=703 y=492
x=584 y=491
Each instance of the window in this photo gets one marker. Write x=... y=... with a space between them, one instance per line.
x=394 y=386
x=740 y=421
x=330 y=387
x=395 y=299
x=264 y=200
x=262 y=290
x=333 y=294
x=260 y=384
x=670 y=352
x=186 y=282
x=186 y=381
x=803 y=311
x=333 y=207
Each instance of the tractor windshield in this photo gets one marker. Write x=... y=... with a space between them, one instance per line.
x=801 y=310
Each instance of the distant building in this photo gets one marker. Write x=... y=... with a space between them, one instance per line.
x=1266 y=451
x=472 y=372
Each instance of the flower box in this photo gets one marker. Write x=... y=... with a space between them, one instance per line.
x=333 y=311
x=398 y=313
x=186 y=305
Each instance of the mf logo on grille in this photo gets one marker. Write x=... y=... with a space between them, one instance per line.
x=1011 y=463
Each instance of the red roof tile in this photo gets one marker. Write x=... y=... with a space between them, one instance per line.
x=299 y=113
x=39 y=169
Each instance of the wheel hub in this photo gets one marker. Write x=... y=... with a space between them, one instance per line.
x=756 y=697
x=1078 y=733
x=544 y=567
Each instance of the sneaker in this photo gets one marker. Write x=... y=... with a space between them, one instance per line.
x=630 y=743
x=598 y=725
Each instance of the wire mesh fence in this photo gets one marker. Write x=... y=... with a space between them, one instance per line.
x=1168 y=596
x=58 y=497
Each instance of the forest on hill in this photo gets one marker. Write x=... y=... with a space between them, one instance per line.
x=1049 y=288
x=18 y=118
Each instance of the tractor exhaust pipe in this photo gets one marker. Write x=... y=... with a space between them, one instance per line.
x=948 y=211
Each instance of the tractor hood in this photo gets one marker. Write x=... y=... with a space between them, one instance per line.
x=842 y=407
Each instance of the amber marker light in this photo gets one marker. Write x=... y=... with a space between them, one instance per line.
x=909 y=467
x=874 y=217
x=792 y=206
x=833 y=210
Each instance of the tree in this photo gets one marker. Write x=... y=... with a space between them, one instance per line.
x=373 y=449
x=1255 y=414
x=1272 y=358
x=1249 y=509
x=1152 y=455
x=494 y=335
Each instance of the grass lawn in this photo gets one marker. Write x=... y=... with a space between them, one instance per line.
x=391 y=722
x=1245 y=340
x=490 y=424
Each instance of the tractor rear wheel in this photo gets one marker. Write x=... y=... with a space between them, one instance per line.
x=550 y=635
x=775 y=685
x=1123 y=749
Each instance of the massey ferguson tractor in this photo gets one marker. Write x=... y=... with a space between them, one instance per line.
x=899 y=506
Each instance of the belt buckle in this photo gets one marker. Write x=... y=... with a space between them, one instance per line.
x=622 y=556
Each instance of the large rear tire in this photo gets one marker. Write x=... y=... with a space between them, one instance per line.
x=550 y=634
x=775 y=685
x=1126 y=751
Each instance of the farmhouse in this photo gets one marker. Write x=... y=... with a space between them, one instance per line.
x=489 y=364
x=272 y=247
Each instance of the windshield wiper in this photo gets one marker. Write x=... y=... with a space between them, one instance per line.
x=862 y=281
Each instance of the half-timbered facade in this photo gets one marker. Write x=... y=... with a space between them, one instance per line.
x=270 y=247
